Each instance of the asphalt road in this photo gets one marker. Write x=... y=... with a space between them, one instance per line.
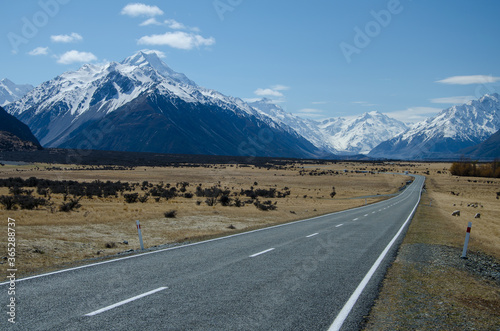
x=317 y=274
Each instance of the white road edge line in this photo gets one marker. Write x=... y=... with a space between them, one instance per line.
x=339 y=320
x=121 y=303
x=195 y=243
x=312 y=235
x=263 y=252
x=338 y=225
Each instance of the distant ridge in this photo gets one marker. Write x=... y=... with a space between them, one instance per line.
x=15 y=135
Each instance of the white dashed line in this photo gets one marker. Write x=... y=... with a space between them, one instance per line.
x=312 y=235
x=263 y=252
x=339 y=225
x=121 y=303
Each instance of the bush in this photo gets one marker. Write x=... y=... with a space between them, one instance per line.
x=171 y=214
x=266 y=206
x=29 y=202
x=144 y=198
x=69 y=206
x=211 y=202
x=131 y=197
x=7 y=201
x=225 y=200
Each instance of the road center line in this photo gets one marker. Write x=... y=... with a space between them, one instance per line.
x=366 y=215
x=121 y=303
x=339 y=225
x=312 y=235
x=263 y=252
x=355 y=219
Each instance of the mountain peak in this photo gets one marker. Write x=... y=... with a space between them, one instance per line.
x=10 y=92
x=152 y=59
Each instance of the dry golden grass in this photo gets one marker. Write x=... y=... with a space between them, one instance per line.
x=429 y=286
x=47 y=239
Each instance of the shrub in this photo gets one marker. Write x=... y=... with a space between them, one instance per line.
x=144 y=198
x=29 y=202
x=131 y=197
x=238 y=203
x=7 y=201
x=225 y=200
x=69 y=206
x=266 y=206
x=171 y=214
x=211 y=201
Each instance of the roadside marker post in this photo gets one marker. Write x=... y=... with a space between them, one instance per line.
x=140 y=234
x=467 y=235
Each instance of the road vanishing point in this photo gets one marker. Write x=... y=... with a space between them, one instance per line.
x=322 y=273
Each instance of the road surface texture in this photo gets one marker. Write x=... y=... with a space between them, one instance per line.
x=317 y=274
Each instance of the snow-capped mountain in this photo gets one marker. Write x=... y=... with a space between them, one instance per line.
x=357 y=135
x=448 y=132
x=10 y=92
x=361 y=134
x=140 y=104
x=308 y=129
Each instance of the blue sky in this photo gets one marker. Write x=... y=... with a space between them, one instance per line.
x=318 y=59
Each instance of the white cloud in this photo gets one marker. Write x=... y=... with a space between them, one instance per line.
x=178 y=39
x=171 y=23
x=414 y=114
x=150 y=21
x=467 y=80
x=140 y=9
x=454 y=100
x=319 y=102
x=160 y=54
x=76 y=56
x=268 y=92
x=39 y=51
x=64 y=38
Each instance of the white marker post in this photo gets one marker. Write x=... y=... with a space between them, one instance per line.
x=140 y=234
x=467 y=235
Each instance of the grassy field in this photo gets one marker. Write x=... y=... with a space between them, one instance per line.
x=48 y=238
x=429 y=287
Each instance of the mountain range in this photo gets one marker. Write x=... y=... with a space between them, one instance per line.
x=10 y=92
x=446 y=134
x=346 y=136
x=141 y=104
